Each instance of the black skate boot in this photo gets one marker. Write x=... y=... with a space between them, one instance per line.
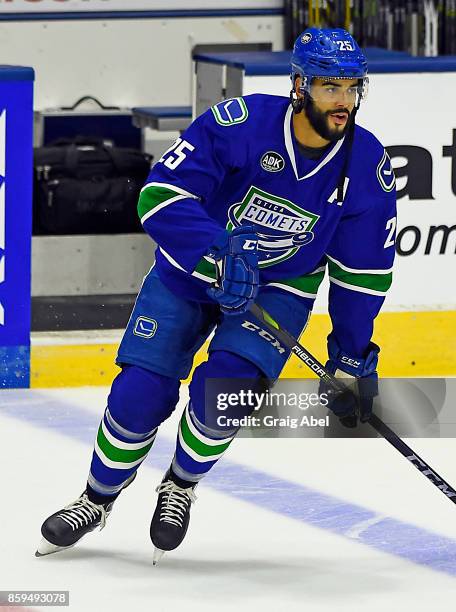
x=66 y=527
x=171 y=517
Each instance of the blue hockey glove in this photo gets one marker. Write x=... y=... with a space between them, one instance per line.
x=360 y=375
x=236 y=260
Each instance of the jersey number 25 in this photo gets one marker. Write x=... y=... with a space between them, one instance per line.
x=176 y=154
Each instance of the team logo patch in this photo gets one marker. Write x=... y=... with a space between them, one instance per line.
x=230 y=112
x=282 y=226
x=385 y=173
x=306 y=38
x=272 y=162
x=145 y=327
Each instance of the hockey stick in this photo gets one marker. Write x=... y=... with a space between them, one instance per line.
x=339 y=387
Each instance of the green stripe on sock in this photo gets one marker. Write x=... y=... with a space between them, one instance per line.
x=152 y=197
x=204 y=450
x=120 y=455
x=378 y=282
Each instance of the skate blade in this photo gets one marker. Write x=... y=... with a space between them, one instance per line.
x=158 y=554
x=46 y=548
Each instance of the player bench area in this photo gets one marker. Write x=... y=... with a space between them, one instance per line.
x=162 y=118
x=165 y=122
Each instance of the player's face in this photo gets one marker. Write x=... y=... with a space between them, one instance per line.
x=330 y=106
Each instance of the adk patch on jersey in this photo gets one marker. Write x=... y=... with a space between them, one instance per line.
x=385 y=173
x=283 y=227
x=306 y=37
x=272 y=162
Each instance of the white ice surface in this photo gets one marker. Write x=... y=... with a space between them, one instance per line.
x=237 y=555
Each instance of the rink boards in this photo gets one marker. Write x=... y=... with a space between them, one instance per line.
x=412 y=344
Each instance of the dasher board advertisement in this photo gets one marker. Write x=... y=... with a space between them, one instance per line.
x=16 y=128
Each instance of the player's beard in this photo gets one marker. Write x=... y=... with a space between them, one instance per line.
x=320 y=123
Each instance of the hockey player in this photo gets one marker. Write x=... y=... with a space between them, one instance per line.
x=264 y=193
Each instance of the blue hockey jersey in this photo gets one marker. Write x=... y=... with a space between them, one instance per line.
x=239 y=164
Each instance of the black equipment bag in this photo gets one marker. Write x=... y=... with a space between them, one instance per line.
x=87 y=186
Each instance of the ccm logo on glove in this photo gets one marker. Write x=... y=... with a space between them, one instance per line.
x=236 y=257
x=250 y=245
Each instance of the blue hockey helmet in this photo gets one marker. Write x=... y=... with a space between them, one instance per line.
x=331 y=53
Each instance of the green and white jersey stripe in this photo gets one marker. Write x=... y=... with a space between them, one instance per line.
x=198 y=446
x=155 y=196
x=305 y=285
x=120 y=455
x=302 y=286
x=373 y=282
x=172 y=261
x=205 y=270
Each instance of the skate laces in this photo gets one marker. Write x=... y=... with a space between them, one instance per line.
x=82 y=512
x=175 y=502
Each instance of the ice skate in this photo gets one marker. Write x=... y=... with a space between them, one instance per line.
x=171 y=517
x=65 y=528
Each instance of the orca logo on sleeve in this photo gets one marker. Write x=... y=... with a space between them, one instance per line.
x=230 y=112
x=145 y=327
x=385 y=173
x=272 y=162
